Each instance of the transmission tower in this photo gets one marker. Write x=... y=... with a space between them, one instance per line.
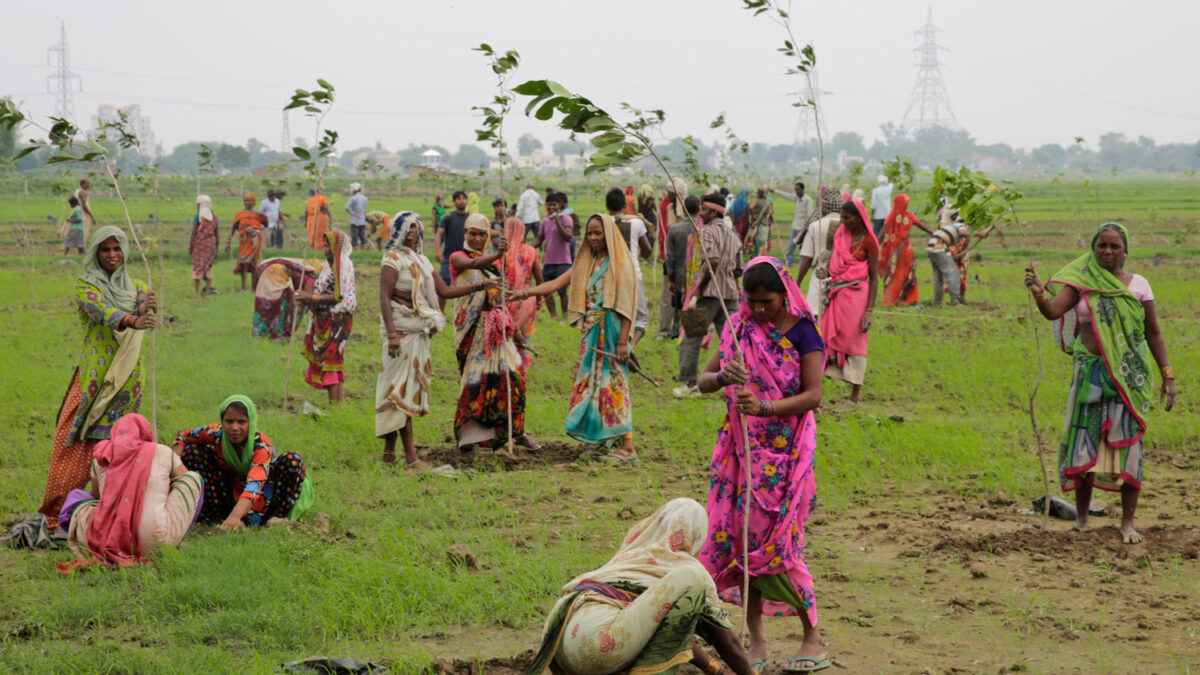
x=809 y=115
x=285 y=142
x=929 y=104
x=64 y=95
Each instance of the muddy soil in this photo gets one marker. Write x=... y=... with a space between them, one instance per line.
x=486 y=459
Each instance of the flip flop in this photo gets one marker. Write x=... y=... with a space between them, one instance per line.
x=758 y=665
x=816 y=664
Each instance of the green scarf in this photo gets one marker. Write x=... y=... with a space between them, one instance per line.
x=1119 y=322
x=240 y=461
x=117 y=289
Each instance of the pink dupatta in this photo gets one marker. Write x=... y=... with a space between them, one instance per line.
x=113 y=534
x=841 y=323
x=781 y=457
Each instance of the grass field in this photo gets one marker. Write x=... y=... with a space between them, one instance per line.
x=922 y=558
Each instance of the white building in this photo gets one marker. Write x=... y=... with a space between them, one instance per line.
x=432 y=159
x=135 y=122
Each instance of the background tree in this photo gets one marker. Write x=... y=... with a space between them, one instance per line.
x=527 y=143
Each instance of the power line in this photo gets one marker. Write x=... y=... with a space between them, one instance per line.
x=64 y=101
x=929 y=95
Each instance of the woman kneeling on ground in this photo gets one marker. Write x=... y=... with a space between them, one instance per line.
x=641 y=610
x=245 y=481
x=774 y=385
x=1104 y=317
x=142 y=496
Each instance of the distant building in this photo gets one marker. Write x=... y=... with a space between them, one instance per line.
x=135 y=122
x=432 y=159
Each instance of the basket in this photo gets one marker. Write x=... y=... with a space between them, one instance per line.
x=694 y=321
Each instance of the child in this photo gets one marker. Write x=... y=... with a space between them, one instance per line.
x=75 y=231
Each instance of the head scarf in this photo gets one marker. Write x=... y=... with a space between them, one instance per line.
x=1121 y=334
x=645 y=191
x=858 y=194
x=882 y=179
x=472 y=203
x=475 y=221
x=355 y=187
x=667 y=540
x=117 y=289
x=342 y=271
x=437 y=199
x=399 y=230
x=237 y=460
x=831 y=201
x=679 y=188
x=620 y=285
x=205 y=203
x=113 y=536
x=741 y=204
x=899 y=204
x=514 y=234
x=846 y=191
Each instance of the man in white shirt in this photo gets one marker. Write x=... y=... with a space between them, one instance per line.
x=815 y=245
x=527 y=210
x=800 y=219
x=633 y=230
x=881 y=205
x=356 y=206
x=272 y=209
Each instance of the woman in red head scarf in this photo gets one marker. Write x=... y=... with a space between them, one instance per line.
x=853 y=283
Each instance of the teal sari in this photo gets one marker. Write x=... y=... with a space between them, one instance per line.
x=600 y=411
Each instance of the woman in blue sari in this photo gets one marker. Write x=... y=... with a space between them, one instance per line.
x=603 y=300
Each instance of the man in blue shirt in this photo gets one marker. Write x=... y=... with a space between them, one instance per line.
x=356 y=206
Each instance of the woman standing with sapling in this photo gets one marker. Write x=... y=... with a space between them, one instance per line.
x=1104 y=316
x=410 y=317
x=602 y=305
x=774 y=385
x=333 y=302
x=107 y=382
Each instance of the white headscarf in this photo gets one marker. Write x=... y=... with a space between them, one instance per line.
x=205 y=204
x=355 y=187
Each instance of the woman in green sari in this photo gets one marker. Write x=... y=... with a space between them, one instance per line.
x=603 y=301
x=640 y=611
x=1104 y=317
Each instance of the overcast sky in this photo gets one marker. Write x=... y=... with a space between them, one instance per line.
x=1024 y=72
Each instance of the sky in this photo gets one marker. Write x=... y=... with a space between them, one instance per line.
x=1020 y=72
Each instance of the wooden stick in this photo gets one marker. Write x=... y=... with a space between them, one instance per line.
x=632 y=365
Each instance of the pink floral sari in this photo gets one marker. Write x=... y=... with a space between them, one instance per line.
x=518 y=268
x=781 y=460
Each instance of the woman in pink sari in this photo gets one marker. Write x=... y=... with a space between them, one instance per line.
x=520 y=265
x=142 y=497
x=773 y=385
x=850 y=297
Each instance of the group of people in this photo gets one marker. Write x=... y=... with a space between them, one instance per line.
x=143 y=494
x=774 y=346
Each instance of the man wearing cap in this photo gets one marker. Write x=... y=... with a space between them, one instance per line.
x=716 y=286
x=356 y=206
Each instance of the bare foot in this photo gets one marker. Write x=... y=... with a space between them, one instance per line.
x=1081 y=522
x=1130 y=535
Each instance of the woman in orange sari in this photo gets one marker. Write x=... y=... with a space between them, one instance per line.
x=248 y=225
x=520 y=265
x=316 y=219
x=895 y=251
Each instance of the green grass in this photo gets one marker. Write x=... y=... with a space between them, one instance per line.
x=380 y=585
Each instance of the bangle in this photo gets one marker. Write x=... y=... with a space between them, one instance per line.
x=1168 y=373
x=762 y=408
x=393 y=334
x=721 y=378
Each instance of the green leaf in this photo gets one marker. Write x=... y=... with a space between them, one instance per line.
x=547 y=110
x=532 y=88
x=301 y=153
x=325 y=84
x=26 y=151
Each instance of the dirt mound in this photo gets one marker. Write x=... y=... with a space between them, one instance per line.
x=511 y=666
x=486 y=459
x=1161 y=541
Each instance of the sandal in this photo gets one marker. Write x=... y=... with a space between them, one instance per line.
x=814 y=664
x=389 y=458
x=622 y=459
x=419 y=466
x=758 y=665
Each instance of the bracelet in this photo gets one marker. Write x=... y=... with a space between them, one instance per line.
x=1168 y=373
x=393 y=334
x=762 y=408
x=721 y=378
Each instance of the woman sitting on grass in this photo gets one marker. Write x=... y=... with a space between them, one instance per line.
x=602 y=305
x=641 y=610
x=410 y=317
x=142 y=496
x=774 y=384
x=245 y=481
x=1104 y=317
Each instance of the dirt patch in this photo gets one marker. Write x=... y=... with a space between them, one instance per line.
x=486 y=459
x=1161 y=541
x=515 y=665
